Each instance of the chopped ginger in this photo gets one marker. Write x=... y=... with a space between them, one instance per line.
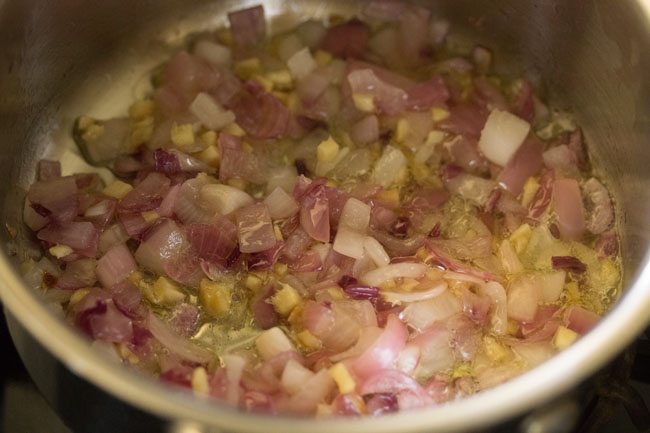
x=285 y=299
x=364 y=102
x=327 y=150
x=215 y=297
x=343 y=378
x=117 y=189
x=564 y=337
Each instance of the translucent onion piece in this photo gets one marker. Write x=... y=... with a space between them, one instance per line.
x=281 y=205
x=375 y=251
x=294 y=376
x=398 y=297
x=406 y=269
x=349 y=242
x=223 y=199
x=212 y=52
x=115 y=266
x=301 y=64
x=499 y=317
x=422 y=314
x=177 y=344
x=390 y=167
x=523 y=299
x=273 y=342
x=567 y=202
x=502 y=135
x=210 y=113
x=384 y=351
x=355 y=215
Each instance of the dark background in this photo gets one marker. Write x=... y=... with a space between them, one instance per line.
x=23 y=410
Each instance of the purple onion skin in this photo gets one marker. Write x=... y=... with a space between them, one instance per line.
x=568 y=263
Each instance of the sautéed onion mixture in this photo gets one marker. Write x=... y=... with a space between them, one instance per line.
x=350 y=218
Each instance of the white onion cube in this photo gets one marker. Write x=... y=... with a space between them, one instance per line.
x=301 y=64
x=349 y=242
x=502 y=135
x=272 y=342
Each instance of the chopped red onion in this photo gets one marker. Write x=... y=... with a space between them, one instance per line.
x=115 y=266
x=383 y=352
x=346 y=40
x=580 y=320
x=524 y=103
x=101 y=214
x=147 y=195
x=56 y=199
x=187 y=206
x=281 y=205
x=264 y=260
x=356 y=290
x=259 y=113
x=390 y=99
x=247 y=26
x=33 y=219
x=166 y=162
x=127 y=298
x=176 y=344
x=390 y=381
x=315 y=215
x=210 y=113
x=165 y=242
x=263 y=312
x=607 y=245
x=185 y=268
x=381 y=403
x=216 y=243
x=525 y=163
x=111 y=325
x=567 y=202
x=543 y=196
x=399 y=247
x=82 y=237
x=166 y=208
x=465 y=119
x=112 y=236
x=255 y=228
x=184 y=319
x=134 y=224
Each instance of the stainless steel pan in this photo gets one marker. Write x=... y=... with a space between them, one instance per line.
x=62 y=58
